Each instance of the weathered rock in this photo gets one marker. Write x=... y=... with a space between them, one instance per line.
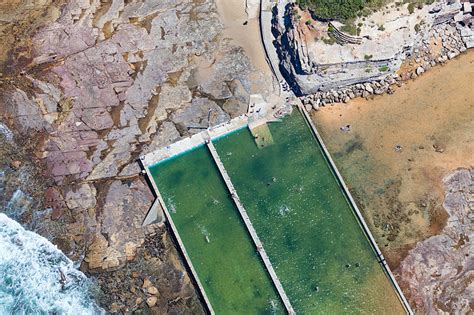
x=146 y=283
x=125 y=207
x=438 y=271
x=152 y=290
x=194 y=116
x=151 y=301
x=80 y=197
x=368 y=88
x=420 y=70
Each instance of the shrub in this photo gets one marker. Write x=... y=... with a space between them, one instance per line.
x=329 y=41
x=411 y=8
x=368 y=57
x=349 y=29
x=381 y=28
x=334 y=9
x=383 y=68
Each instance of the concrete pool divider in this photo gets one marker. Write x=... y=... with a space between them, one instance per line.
x=357 y=212
x=248 y=224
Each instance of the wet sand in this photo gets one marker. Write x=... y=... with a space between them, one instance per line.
x=233 y=16
x=400 y=191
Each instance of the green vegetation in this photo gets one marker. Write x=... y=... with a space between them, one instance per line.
x=383 y=68
x=368 y=57
x=341 y=10
x=344 y=10
x=417 y=27
x=329 y=41
x=381 y=28
x=350 y=29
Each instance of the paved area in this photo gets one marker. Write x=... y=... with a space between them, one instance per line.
x=250 y=228
x=193 y=141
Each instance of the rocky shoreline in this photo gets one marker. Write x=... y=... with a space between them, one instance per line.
x=317 y=66
x=444 y=43
x=88 y=86
x=434 y=285
x=93 y=87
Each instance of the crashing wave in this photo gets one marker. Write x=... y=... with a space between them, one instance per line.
x=37 y=278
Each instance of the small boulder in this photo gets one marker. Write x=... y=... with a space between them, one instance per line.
x=419 y=70
x=368 y=88
x=151 y=301
x=153 y=290
x=16 y=164
x=146 y=283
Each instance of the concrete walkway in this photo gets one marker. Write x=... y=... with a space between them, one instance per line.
x=266 y=16
x=250 y=228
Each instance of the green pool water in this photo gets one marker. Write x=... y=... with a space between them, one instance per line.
x=230 y=270
x=320 y=254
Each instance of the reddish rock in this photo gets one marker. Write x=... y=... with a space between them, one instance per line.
x=54 y=200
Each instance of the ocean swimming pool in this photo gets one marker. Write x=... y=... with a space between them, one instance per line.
x=317 y=247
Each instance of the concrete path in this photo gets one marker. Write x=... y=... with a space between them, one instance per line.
x=266 y=16
x=250 y=228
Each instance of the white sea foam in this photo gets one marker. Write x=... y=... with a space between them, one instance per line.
x=172 y=205
x=30 y=268
x=284 y=210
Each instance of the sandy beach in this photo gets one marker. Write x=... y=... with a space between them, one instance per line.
x=233 y=16
x=399 y=189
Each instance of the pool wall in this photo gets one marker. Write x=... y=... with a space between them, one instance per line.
x=357 y=212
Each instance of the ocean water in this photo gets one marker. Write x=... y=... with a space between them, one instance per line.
x=30 y=276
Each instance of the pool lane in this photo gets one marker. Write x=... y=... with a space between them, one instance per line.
x=321 y=255
x=216 y=240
